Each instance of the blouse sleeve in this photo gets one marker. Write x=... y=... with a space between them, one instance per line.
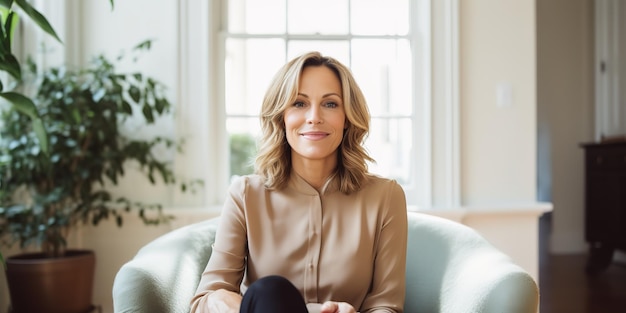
x=226 y=266
x=388 y=284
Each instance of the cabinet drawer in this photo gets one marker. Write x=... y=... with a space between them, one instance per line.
x=606 y=160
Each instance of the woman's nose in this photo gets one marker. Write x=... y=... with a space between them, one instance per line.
x=314 y=116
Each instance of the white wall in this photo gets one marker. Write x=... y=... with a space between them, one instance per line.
x=498 y=144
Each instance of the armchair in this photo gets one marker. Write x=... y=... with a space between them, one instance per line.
x=450 y=269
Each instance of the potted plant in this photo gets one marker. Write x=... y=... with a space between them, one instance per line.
x=44 y=196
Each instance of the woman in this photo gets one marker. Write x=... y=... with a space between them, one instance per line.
x=312 y=229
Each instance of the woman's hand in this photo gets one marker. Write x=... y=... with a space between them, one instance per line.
x=224 y=301
x=337 y=307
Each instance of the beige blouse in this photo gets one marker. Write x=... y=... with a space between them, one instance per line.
x=331 y=246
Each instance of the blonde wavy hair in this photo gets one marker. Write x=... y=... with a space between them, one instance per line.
x=273 y=161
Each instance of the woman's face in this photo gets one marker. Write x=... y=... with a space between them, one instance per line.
x=315 y=122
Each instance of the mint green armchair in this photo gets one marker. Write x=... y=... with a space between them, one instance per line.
x=450 y=269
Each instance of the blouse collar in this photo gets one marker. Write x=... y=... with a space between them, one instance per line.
x=298 y=183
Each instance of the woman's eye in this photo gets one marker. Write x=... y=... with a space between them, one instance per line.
x=298 y=104
x=331 y=104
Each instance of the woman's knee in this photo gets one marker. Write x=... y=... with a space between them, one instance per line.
x=273 y=294
x=271 y=285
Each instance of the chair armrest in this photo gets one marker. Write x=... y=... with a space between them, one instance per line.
x=487 y=281
x=164 y=274
x=451 y=268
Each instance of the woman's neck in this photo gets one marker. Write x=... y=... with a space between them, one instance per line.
x=314 y=172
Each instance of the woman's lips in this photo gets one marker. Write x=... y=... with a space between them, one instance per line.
x=314 y=135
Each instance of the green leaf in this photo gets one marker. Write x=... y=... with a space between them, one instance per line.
x=144 y=45
x=160 y=105
x=76 y=115
x=10 y=23
x=147 y=113
x=134 y=93
x=126 y=108
x=26 y=106
x=38 y=18
x=10 y=65
x=8 y=3
x=21 y=103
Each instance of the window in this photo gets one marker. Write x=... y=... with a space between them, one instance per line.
x=378 y=40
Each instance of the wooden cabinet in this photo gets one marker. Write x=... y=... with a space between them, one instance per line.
x=605 y=201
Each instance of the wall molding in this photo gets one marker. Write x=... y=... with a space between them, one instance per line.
x=194 y=95
x=452 y=103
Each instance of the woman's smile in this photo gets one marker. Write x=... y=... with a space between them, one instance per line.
x=314 y=135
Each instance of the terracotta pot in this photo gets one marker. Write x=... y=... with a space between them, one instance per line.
x=60 y=285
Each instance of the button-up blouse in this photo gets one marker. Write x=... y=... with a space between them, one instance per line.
x=330 y=245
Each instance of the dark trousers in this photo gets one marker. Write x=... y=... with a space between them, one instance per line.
x=272 y=294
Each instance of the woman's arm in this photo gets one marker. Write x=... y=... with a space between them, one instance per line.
x=218 y=290
x=218 y=301
x=388 y=281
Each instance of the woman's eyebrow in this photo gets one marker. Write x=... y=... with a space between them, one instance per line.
x=331 y=94
x=324 y=96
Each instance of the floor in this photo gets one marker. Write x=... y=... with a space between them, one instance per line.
x=565 y=287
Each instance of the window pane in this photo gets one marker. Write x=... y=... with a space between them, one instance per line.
x=376 y=17
x=390 y=144
x=250 y=65
x=256 y=17
x=243 y=135
x=338 y=49
x=317 y=17
x=382 y=68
